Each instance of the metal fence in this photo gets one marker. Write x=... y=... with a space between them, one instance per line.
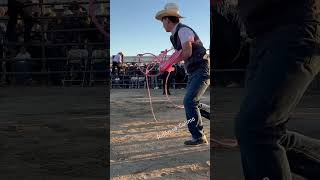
x=140 y=81
x=52 y=54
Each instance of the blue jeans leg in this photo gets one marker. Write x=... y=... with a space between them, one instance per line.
x=197 y=84
x=282 y=65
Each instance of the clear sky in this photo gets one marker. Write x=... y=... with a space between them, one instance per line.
x=134 y=30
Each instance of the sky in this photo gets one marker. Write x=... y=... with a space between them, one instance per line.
x=134 y=29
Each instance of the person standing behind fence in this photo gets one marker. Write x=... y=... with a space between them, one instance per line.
x=15 y=8
x=3 y=28
x=116 y=62
x=22 y=67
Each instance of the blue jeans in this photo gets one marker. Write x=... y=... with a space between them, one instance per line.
x=198 y=82
x=23 y=68
x=282 y=65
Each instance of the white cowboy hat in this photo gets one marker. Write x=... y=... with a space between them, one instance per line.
x=170 y=9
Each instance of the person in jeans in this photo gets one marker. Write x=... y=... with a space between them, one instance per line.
x=22 y=65
x=285 y=58
x=193 y=52
x=117 y=60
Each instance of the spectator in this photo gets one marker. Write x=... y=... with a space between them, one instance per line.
x=54 y=26
x=76 y=18
x=56 y=51
x=19 y=31
x=35 y=49
x=36 y=32
x=116 y=62
x=22 y=65
x=23 y=55
x=15 y=8
x=180 y=75
x=3 y=29
x=46 y=24
x=77 y=9
x=3 y=26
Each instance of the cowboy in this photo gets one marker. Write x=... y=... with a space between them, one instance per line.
x=186 y=39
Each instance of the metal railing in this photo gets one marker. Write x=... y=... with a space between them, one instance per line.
x=45 y=44
x=139 y=81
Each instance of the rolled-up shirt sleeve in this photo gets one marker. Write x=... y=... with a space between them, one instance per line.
x=186 y=34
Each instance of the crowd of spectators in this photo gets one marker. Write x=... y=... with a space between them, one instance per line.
x=131 y=74
x=46 y=34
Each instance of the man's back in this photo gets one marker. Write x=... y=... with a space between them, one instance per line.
x=117 y=58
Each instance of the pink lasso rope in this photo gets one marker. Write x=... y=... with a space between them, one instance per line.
x=164 y=65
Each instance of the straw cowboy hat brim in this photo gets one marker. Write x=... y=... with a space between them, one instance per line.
x=170 y=9
x=164 y=13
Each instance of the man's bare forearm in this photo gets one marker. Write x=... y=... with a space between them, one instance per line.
x=186 y=52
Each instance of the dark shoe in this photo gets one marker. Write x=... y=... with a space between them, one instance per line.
x=197 y=142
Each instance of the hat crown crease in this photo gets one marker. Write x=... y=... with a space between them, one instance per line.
x=171 y=6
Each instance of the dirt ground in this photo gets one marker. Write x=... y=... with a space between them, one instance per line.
x=136 y=151
x=59 y=133
x=53 y=133
x=226 y=162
